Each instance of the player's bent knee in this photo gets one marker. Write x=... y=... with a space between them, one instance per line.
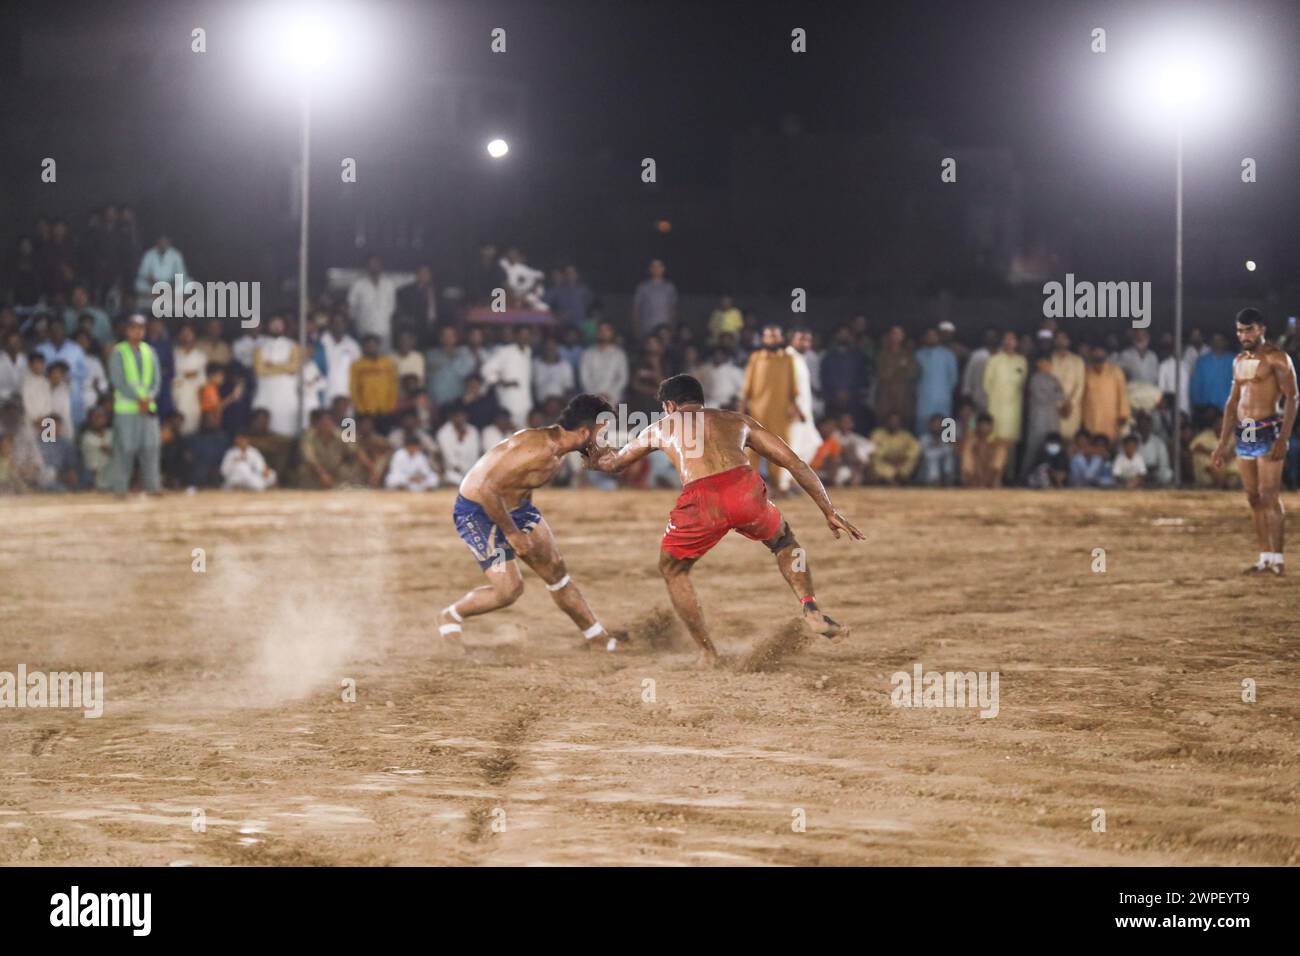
x=1255 y=500
x=782 y=539
x=670 y=567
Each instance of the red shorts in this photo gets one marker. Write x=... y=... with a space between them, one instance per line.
x=710 y=507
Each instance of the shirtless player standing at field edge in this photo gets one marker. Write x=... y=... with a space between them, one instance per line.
x=495 y=516
x=1262 y=374
x=721 y=492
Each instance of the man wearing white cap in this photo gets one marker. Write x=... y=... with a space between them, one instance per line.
x=134 y=373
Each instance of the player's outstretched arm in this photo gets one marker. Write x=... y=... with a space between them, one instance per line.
x=614 y=460
x=775 y=450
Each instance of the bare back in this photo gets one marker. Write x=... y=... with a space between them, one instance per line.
x=702 y=441
x=512 y=468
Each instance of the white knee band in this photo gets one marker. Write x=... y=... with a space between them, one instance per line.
x=451 y=609
x=592 y=631
x=563 y=582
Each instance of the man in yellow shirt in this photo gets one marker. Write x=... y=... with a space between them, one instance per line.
x=897 y=452
x=1005 y=375
x=1105 y=397
x=725 y=318
x=372 y=381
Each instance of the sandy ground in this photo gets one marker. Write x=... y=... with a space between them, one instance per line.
x=226 y=739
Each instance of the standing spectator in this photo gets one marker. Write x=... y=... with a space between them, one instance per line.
x=804 y=437
x=373 y=385
x=96 y=452
x=726 y=318
x=896 y=375
x=13 y=366
x=570 y=299
x=1046 y=399
x=161 y=262
x=897 y=452
x=61 y=400
x=79 y=305
x=191 y=366
x=972 y=383
x=136 y=378
x=843 y=374
x=1138 y=362
x=447 y=367
x=770 y=393
x=460 y=444
x=722 y=379
x=124 y=242
x=655 y=302
x=938 y=457
x=340 y=350
x=244 y=469
x=937 y=379
x=604 y=366
x=1167 y=373
x=1105 y=397
x=276 y=364
x=1090 y=467
x=410 y=361
x=213 y=343
x=372 y=300
x=1212 y=378
x=23 y=276
x=1004 y=384
x=572 y=349
x=38 y=403
x=552 y=375
x=1068 y=369
x=58 y=260
x=417 y=305
x=646 y=376
x=510 y=370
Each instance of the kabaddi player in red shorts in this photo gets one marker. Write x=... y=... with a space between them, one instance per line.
x=721 y=493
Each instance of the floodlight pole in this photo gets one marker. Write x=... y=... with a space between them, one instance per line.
x=303 y=195
x=1178 y=306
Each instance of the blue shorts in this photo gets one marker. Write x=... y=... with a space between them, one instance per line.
x=485 y=539
x=1260 y=441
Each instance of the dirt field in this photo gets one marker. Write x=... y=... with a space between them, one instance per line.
x=1119 y=691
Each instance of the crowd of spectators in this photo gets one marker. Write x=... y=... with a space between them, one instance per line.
x=405 y=385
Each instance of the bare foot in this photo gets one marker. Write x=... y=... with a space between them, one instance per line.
x=449 y=629
x=707 y=660
x=825 y=625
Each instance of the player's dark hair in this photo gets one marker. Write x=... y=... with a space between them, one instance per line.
x=681 y=390
x=1251 y=317
x=583 y=412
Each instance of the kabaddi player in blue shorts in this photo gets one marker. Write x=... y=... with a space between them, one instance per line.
x=1263 y=379
x=494 y=515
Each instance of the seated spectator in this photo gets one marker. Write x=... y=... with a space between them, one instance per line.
x=37 y=403
x=275 y=449
x=11 y=479
x=897 y=452
x=827 y=461
x=407 y=425
x=938 y=457
x=498 y=431
x=552 y=375
x=326 y=460
x=481 y=404
x=983 y=455
x=1154 y=451
x=858 y=448
x=410 y=469
x=1129 y=468
x=373 y=450
x=410 y=360
x=1202 y=447
x=244 y=469
x=59 y=453
x=1052 y=467
x=460 y=444
x=96 y=452
x=411 y=397
x=61 y=398
x=174 y=456
x=722 y=379
x=1090 y=468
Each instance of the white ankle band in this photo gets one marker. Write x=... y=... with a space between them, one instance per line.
x=445 y=629
x=451 y=609
x=563 y=582
x=592 y=631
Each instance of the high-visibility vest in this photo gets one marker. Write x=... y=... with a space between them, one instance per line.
x=137 y=384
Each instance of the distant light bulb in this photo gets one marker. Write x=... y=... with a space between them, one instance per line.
x=498 y=148
x=1250 y=265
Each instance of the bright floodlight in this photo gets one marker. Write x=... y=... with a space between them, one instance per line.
x=1250 y=265
x=1180 y=85
x=498 y=148
x=309 y=43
